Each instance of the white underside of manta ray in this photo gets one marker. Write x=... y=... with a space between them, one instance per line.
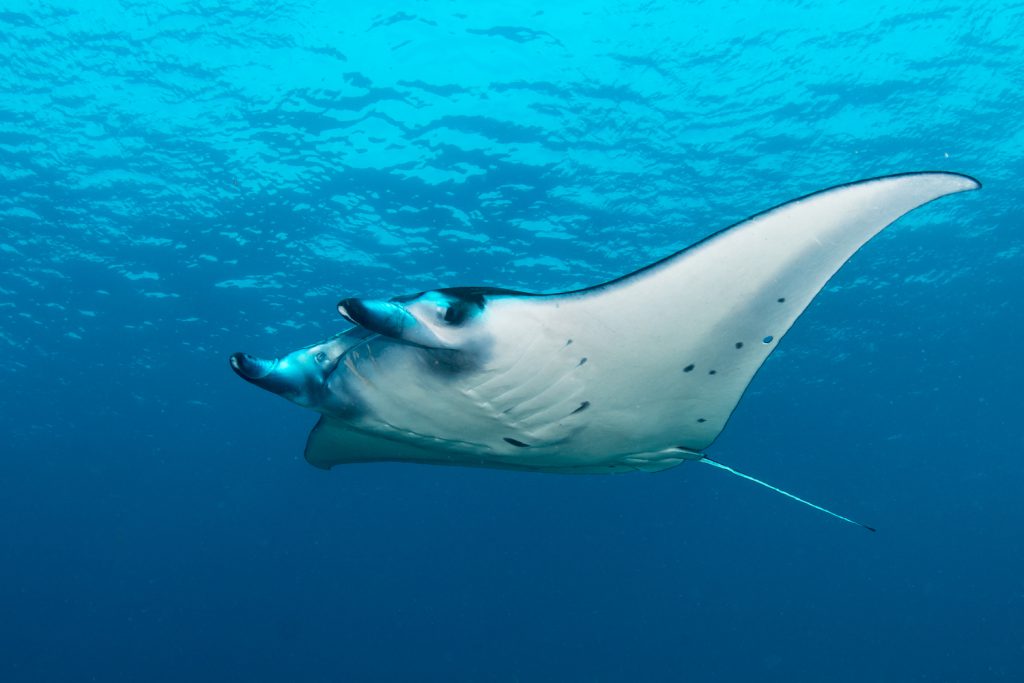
x=640 y=373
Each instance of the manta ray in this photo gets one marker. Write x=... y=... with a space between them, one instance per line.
x=640 y=373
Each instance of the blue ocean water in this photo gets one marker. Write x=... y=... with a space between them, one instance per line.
x=185 y=180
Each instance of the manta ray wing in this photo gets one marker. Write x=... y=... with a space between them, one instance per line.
x=671 y=348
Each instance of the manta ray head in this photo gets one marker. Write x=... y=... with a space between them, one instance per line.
x=298 y=376
x=450 y=319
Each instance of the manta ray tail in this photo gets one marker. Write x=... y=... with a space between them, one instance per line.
x=719 y=465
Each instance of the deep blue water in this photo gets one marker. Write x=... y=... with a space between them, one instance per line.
x=184 y=180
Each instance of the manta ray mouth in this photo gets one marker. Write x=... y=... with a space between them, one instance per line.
x=251 y=368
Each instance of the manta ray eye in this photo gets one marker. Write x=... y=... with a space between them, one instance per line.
x=320 y=357
x=456 y=313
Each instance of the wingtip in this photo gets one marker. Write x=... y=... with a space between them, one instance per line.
x=964 y=182
x=944 y=182
x=972 y=182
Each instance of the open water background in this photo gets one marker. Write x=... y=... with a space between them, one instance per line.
x=184 y=180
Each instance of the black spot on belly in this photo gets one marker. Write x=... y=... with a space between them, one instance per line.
x=712 y=372
x=739 y=345
x=688 y=368
x=582 y=361
x=583 y=406
x=781 y=299
x=568 y=341
x=517 y=443
x=701 y=419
